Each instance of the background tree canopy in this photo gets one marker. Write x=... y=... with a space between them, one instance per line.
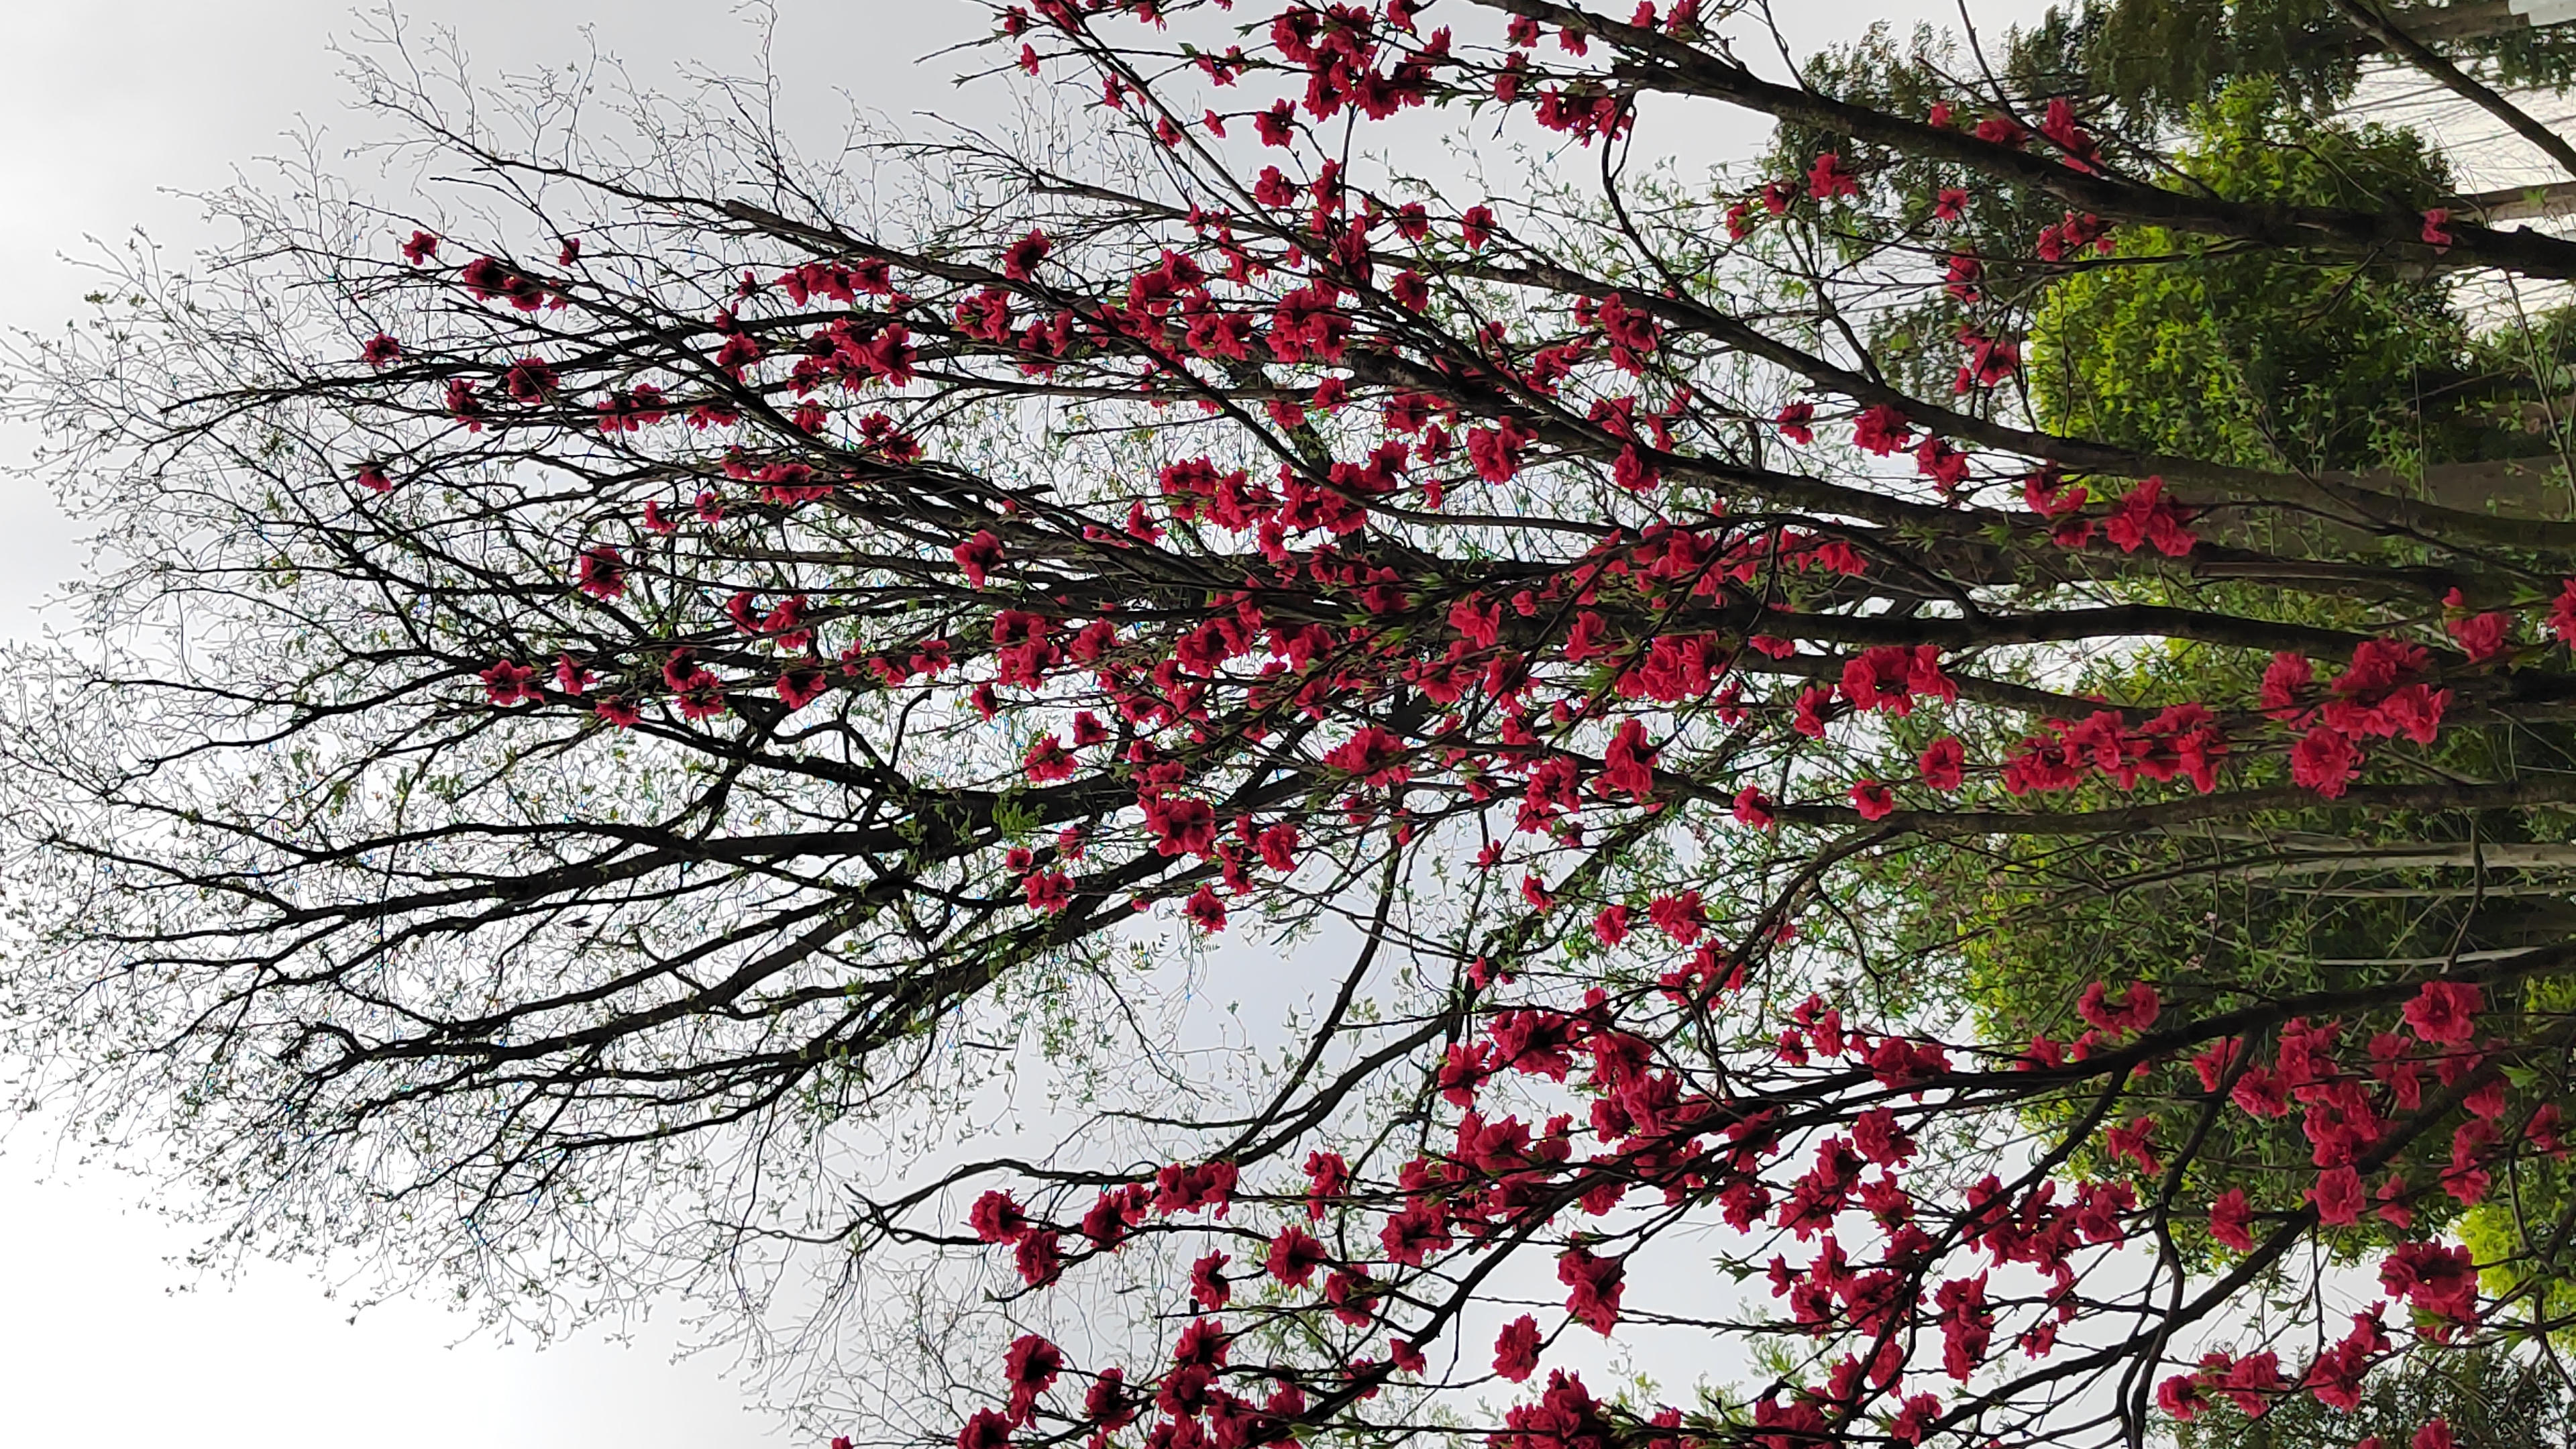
x=2266 y=360
x=1896 y=784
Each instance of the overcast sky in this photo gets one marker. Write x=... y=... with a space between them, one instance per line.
x=111 y=108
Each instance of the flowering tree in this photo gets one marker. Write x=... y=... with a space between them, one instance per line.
x=603 y=692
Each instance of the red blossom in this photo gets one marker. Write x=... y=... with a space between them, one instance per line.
x=1796 y=424
x=1610 y=927
x=1030 y=1367
x=2228 y=1220
x=2480 y=636
x=507 y=682
x=2324 y=760
x=1752 y=808
x=602 y=572
x=2136 y=1010
x=1828 y=179
x=2439 y=1279
x=2146 y=516
x=978 y=556
x=1020 y=260
x=1882 y=429
x=1048 y=891
x=1039 y=1257
x=2445 y=1012
x=2338 y=1196
x=985 y=1429
x=2562 y=613
x=1596 y=1283
x=996 y=1218
x=1048 y=761
x=1294 y=1256
x=1516 y=1349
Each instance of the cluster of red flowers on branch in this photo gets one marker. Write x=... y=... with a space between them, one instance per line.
x=1245 y=533
x=1902 y=1295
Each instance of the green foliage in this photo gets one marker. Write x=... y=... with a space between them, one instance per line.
x=2159 y=59
x=2164 y=57
x=2260 y=359
x=2529 y=1229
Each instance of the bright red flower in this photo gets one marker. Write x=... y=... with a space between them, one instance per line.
x=2147 y=516
x=2134 y=1143
x=1208 y=1286
x=2562 y=613
x=2135 y=1012
x=2338 y=1196
x=2480 y=636
x=508 y=683
x=2437 y=1278
x=1882 y=429
x=978 y=555
x=1611 y=926
x=1295 y=1255
x=1049 y=891
x=2229 y=1218
x=1040 y=1258
x=602 y=572
x=1030 y=1367
x=985 y=1429
x=1596 y=1284
x=1796 y=423
x=1753 y=808
x=996 y=1218
x=2445 y=1012
x=2180 y=1396
x=1048 y=761
x=1375 y=754
x=1828 y=179
x=2324 y=760
x=1679 y=916
x=1020 y=260
x=1516 y=1349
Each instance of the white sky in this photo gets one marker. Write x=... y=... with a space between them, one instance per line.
x=110 y=107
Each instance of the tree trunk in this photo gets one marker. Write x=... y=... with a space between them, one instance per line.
x=2521 y=203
